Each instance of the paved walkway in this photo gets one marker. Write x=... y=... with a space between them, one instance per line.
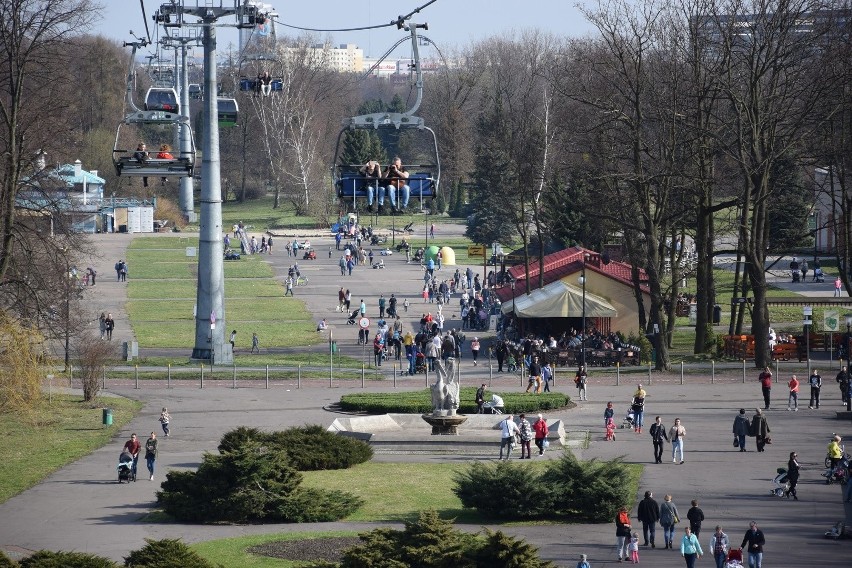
x=82 y=508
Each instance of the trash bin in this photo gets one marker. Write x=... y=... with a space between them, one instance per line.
x=107 y=417
x=717 y=314
x=334 y=347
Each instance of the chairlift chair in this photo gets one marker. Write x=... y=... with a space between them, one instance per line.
x=424 y=179
x=162 y=98
x=228 y=111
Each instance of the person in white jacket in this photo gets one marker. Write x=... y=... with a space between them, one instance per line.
x=719 y=547
x=508 y=429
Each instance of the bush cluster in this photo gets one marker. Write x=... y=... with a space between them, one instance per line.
x=431 y=541
x=255 y=478
x=418 y=402
x=167 y=553
x=309 y=448
x=590 y=491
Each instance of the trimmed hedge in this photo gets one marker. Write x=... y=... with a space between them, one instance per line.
x=590 y=491
x=309 y=448
x=166 y=553
x=253 y=483
x=48 y=559
x=419 y=402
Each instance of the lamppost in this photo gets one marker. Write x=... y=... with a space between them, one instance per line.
x=848 y=359
x=512 y=284
x=807 y=312
x=583 y=330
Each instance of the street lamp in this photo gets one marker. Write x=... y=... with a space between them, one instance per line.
x=583 y=330
x=848 y=359
x=807 y=312
x=512 y=284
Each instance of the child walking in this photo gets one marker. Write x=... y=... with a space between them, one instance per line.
x=164 y=420
x=633 y=548
x=583 y=563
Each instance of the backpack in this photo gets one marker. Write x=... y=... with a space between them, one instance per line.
x=448 y=345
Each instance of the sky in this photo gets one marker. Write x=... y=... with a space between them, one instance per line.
x=452 y=23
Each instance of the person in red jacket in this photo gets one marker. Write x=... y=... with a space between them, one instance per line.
x=765 y=379
x=132 y=446
x=540 y=428
x=793 y=401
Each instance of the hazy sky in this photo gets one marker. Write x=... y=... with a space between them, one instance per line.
x=451 y=22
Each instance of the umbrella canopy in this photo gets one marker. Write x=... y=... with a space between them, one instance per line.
x=559 y=300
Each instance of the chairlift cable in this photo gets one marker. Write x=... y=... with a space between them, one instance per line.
x=145 y=19
x=397 y=22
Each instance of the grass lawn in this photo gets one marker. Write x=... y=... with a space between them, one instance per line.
x=415 y=487
x=56 y=435
x=162 y=293
x=231 y=552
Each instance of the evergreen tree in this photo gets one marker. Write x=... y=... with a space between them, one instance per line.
x=458 y=207
x=789 y=208
x=493 y=179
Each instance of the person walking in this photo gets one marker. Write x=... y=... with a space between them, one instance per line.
x=638 y=405
x=132 y=447
x=480 y=398
x=583 y=563
x=541 y=429
x=109 y=325
x=648 y=514
x=793 y=400
x=546 y=376
x=690 y=548
x=676 y=434
x=289 y=284
x=622 y=534
x=759 y=429
x=633 y=548
x=102 y=325
x=753 y=543
x=792 y=476
x=842 y=380
x=815 y=381
x=719 y=545
x=580 y=380
x=526 y=433
x=535 y=377
x=668 y=519
x=741 y=429
x=765 y=379
x=233 y=340
x=474 y=350
x=151 y=453
x=165 y=420
x=695 y=516
x=658 y=434
x=838 y=287
x=508 y=429
x=255 y=344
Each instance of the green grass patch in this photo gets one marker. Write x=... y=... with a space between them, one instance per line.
x=414 y=487
x=258 y=215
x=31 y=448
x=312 y=359
x=421 y=401
x=162 y=293
x=231 y=552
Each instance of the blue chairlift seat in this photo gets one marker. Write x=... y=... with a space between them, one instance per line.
x=422 y=184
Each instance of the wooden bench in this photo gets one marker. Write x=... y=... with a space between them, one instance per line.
x=785 y=352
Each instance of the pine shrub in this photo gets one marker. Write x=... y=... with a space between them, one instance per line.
x=6 y=562
x=503 y=490
x=313 y=448
x=49 y=559
x=166 y=553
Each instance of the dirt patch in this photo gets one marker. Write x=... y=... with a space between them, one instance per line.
x=328 y=549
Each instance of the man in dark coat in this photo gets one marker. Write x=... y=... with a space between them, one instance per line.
x=649 y=514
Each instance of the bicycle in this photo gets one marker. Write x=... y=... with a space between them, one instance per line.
x=301 y=281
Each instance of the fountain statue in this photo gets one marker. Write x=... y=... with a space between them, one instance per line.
x=445 y=400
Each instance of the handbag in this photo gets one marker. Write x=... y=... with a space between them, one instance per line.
x=546 y=443
x=768 y=440
x=736 y=442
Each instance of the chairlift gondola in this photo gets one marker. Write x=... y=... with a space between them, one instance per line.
x=137 y=163
x=262 y=77
x=228 y=111
x=162 y=98
x=195 y=91
x=424 y=178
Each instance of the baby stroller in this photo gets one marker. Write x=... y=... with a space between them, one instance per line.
x=610 y=429
x=797 y=276
x=819 y=276
x=629 y=419
x=781 y=486
x=353 y=317
x=420 y=363
x=734 y=558
x=309 y=255
x=125 y=468
x=496 y=406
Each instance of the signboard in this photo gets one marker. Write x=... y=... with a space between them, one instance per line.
x=831 y=320
x=190 y=251
x=364 y=323
x=476 y=250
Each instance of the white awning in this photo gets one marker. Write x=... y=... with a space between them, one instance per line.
x=559 y=300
